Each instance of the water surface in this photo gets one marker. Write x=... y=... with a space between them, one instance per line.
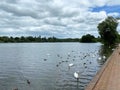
x=45 y=65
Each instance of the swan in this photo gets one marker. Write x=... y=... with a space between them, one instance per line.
x=76 y=75
x=99 y=58
x=71 y=64
x=104 y=57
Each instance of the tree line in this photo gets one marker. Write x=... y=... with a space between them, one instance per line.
x=84 y=38
x=6 y=39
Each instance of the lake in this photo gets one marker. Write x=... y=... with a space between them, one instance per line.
x=46 y=65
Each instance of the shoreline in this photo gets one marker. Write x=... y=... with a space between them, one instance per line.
x=108 y=72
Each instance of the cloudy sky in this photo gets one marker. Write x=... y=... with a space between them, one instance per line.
x=59 y=18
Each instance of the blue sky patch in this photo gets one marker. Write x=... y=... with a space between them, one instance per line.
x=108 y=9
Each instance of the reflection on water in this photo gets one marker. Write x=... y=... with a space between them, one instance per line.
x=47 y=65
x=105 y=51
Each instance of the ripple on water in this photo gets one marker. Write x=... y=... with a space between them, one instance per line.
x=37 y=62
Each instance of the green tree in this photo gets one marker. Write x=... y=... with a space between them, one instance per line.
x=52 y=39
x=88 y=38
x=5 y=39
x=22 y=39
x=30 y=39
x=107 y=31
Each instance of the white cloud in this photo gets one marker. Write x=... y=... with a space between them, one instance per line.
x=113 y=2
x=60 y=18
x=115 y=14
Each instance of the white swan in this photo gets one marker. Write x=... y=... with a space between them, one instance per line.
x=71 y=64
x=99 y=58
x=76 y=75
x=104 y=57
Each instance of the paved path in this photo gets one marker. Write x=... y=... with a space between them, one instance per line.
x=108 y=78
